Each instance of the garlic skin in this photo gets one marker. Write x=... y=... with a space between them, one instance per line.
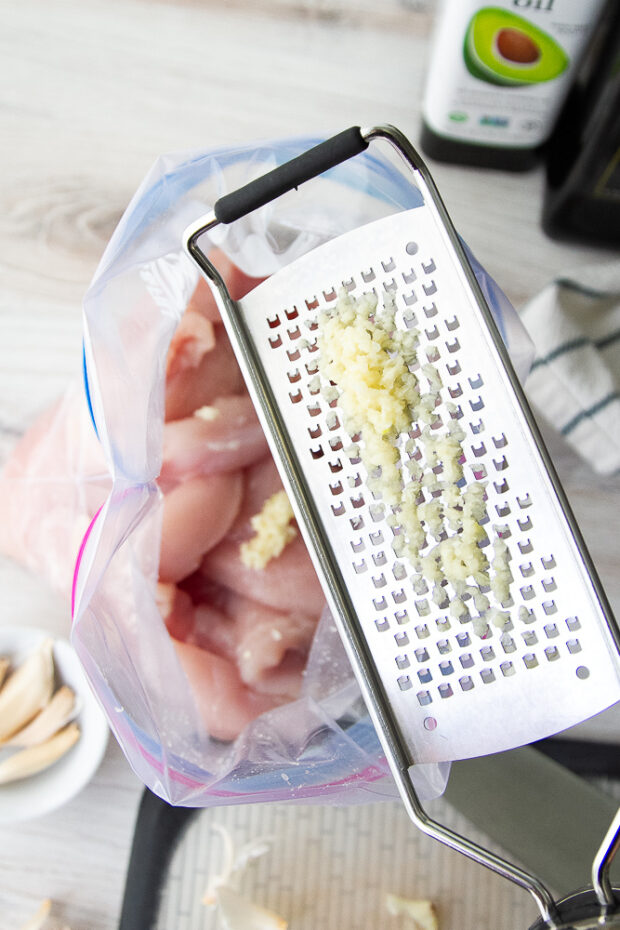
x=236 y=911
x=421 y=912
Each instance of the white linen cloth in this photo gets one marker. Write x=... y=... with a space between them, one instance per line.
x=574 y=381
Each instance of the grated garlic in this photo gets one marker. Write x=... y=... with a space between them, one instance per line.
x=368 y=363
x=502 y=576
x=207 y=413
x=480 y=625
x=272 y=529
x=498 y=618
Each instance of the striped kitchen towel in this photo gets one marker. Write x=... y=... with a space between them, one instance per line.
x=574 y=381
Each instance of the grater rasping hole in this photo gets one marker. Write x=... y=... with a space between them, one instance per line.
x=371 y=363
x=430 y=490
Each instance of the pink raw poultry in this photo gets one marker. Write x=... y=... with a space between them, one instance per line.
x=238 y=632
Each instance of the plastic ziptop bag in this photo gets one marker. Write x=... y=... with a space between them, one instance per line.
x=321 y=746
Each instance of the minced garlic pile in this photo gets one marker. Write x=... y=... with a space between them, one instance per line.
x=207 y=413
x=369 y=365
x=272 y=532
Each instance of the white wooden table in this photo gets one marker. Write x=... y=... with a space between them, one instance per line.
x=90 y=94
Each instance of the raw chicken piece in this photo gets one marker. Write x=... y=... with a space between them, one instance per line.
x=206 y=374
x=214 y=630
x=51 y=486
x=225 y=704
x=176 y=609
x=286 y=581
x=193 y=338
x=198 y=618
x=196 y=446
x=197 y=515
x=269 y=647
x=241 y=658
x=196 y=372
x=272 y=647
x=261 y=481
x=243 y=651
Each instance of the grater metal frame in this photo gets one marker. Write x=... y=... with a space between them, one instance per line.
x=234 y=206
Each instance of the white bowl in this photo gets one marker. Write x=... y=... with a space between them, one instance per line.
x=39 y=794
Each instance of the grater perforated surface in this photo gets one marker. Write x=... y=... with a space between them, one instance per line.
x=453 y=692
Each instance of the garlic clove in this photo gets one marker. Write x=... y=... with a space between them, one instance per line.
x=27 y=690
x=5 y=665
x=35 y=759
x=48 y=721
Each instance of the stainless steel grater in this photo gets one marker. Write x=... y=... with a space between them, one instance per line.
x=436 y=689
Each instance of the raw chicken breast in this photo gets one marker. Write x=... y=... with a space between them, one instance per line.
x=272 y=647
x=50 y=488
x=177 y=610
x=201 y=364
x=269 y=647
x=197 y=514
x=225 y=704
x=286 y=581
x=237 y=632
x=201 y=375
x=260 y=481
x=240 y=663
x=195 y=615
x=193 y=338
x=230 y=440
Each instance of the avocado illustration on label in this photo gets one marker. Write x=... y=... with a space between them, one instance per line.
x=504 y=48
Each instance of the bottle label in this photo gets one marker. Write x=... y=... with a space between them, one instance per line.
x=499 y=74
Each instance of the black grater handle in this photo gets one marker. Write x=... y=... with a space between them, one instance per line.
x=290 y=175
x=159 y=827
